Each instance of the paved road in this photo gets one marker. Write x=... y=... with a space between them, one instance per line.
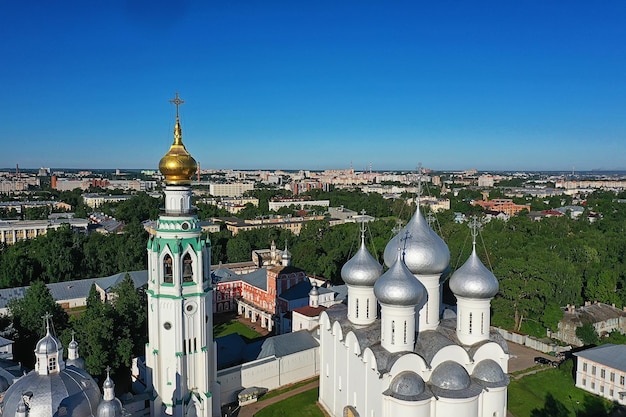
x=523 y=357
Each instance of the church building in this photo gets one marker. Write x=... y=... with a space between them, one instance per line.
x=389 y=353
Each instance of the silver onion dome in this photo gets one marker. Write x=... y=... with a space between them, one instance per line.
x=451 y=376
x=48 y=344
x=110 y=406
x=314 y=291
x=399 y=287
x=425 y=252
x=70 y=392
x=108 y=383
x=362 y=269
x=406 y=385
x=489 y=371
x=473 y=280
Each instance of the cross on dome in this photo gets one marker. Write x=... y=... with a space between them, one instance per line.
x=475 y=225
x=177 y=101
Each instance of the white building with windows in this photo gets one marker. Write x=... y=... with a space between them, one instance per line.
x=602 y=371
x=404 y=360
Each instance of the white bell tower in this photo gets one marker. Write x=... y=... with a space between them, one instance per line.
x=180 y=357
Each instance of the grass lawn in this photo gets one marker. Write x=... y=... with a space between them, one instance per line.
x=557 y=385
x=302 y=405
x=233 y=326
x=279 y=391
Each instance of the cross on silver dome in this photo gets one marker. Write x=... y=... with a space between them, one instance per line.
x=362 y=269
x=473 y=279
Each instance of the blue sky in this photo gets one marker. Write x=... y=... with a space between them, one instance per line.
x=500 y=85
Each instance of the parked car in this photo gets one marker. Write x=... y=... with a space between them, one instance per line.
x=545 y=361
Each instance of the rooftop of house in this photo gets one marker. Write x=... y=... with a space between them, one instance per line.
x=612 y=356
x=591 y=313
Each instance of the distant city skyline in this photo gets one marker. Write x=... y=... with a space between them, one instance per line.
x=287 y=85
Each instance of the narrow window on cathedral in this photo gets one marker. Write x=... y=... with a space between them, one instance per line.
x=357 y=308
x=195 y=344
x=184 y=347
x=405 y=332
x=189 y=342
x=482 y=323
x=168 y=277
x=470 y=323
x=393 y=332
x=187 y=268
x=367 y=308
x=52 y=364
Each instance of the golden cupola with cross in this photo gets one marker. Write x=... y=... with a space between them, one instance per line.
x=177 y=165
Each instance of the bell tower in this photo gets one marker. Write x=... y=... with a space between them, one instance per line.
x=180 y=357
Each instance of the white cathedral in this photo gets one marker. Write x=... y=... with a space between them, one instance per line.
x=399 y=360
x=403 y=360
x=387 y=353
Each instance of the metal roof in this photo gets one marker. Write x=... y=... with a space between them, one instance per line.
x=256 y=278
x=287 y=344
x=70 y=290
x=610 y=355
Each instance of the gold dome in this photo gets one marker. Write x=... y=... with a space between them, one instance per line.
x=177 y=165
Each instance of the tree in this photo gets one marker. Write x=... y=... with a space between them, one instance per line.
x=238 y=250
x=139 y=208
x=95 y=333
x=587 y=334
x=130 y=330
x=27 y=316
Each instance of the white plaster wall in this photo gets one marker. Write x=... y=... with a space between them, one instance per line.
x=270 y=373
x=398 y=408
x=450 y=407
x=493 y=402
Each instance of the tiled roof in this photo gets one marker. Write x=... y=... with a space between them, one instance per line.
x=309 y=311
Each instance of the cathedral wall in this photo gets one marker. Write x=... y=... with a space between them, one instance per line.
x=397 y=408
x=466 y=407
x=452 y=353
x=327 y=365
x=492 y=351
x=341 y=376
x=355 y=372
x=410 y=362
x=493 y=402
